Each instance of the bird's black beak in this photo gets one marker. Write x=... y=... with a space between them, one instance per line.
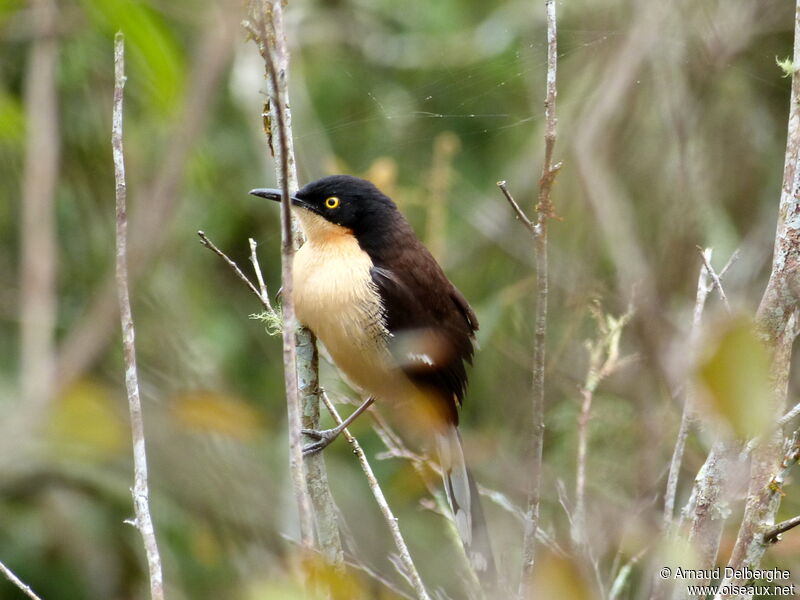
x=268 y=193
x=275 y=194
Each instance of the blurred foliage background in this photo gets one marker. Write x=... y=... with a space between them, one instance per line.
x=672 y=120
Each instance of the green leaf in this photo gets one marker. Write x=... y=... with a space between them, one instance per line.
x=157 y=61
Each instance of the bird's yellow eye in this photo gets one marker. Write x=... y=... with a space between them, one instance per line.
x=332 y=202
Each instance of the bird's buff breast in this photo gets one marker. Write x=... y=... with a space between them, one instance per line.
x=336 y=298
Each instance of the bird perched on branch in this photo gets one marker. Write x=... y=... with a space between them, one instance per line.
x=392 y=322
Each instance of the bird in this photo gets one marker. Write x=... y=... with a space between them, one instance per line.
x=394 y=325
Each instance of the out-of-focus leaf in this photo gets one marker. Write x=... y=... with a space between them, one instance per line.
x=275 y=590
x=340 y=584
x=8 y=8
x=215 y=412
x=734 y=373
x=151 y=46
x=205 y=546
x=558 y=578
x=86 y=423
x=12 y=121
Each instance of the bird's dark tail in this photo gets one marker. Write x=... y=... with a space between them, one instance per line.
x=462 y=494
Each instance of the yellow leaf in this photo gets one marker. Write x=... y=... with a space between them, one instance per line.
x=204 y=545
x=734 y=377
x=556 y=577
x=215 y=412
x=87 y=421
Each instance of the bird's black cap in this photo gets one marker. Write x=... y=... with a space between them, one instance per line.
x=353 y=203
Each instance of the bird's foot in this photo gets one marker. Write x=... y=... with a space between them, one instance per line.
x=322 y=437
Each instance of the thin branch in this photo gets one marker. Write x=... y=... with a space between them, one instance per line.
x=266 y=43
x=579 y=523
x=778 y=320
x=621 y=580
x=370 y=572
x=703 y=288
x=409 y=568
x=141 y=493
x=545 y=212
x=275 y=53
x=210 y=245
x=519 y=212
x=321 y=498
x=262 y=287
x=422 y=463
x=773 y=535
x=604 y=360
x=731 y=261
x=708 y=506
x=789 y=415
x=9 y=574
x=715 y=277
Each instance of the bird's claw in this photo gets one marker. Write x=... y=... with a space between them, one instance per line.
x=323 y=438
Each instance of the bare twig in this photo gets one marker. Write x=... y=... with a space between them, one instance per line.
x=321 y=498
x=621 y=580
x=267 y=10
x=708 y=506
x=422 y=463
x=604 y=360
x=262 y=287
x=9 y=574
x=544 y=212
x=354 y=562
x=714 y=276
x=275 y=53
x=579 y=524
x=141 y=493
x=703 y=288
x=519 y=212
x=791 y=414
x=773 y=534
x=778 y=320
x=731 y=261
x=210 y=245
x=409 y=569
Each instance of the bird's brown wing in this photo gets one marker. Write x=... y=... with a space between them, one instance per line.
x=431 y=323
x=436 y=310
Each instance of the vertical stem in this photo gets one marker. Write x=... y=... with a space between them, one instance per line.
x=277 y=82
x=545 y=211
x=325 y=512
x=703 y=288
x=709 y=506
x=778 y=320
x=579 y=528
x=141 y=493
x=38 y=302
